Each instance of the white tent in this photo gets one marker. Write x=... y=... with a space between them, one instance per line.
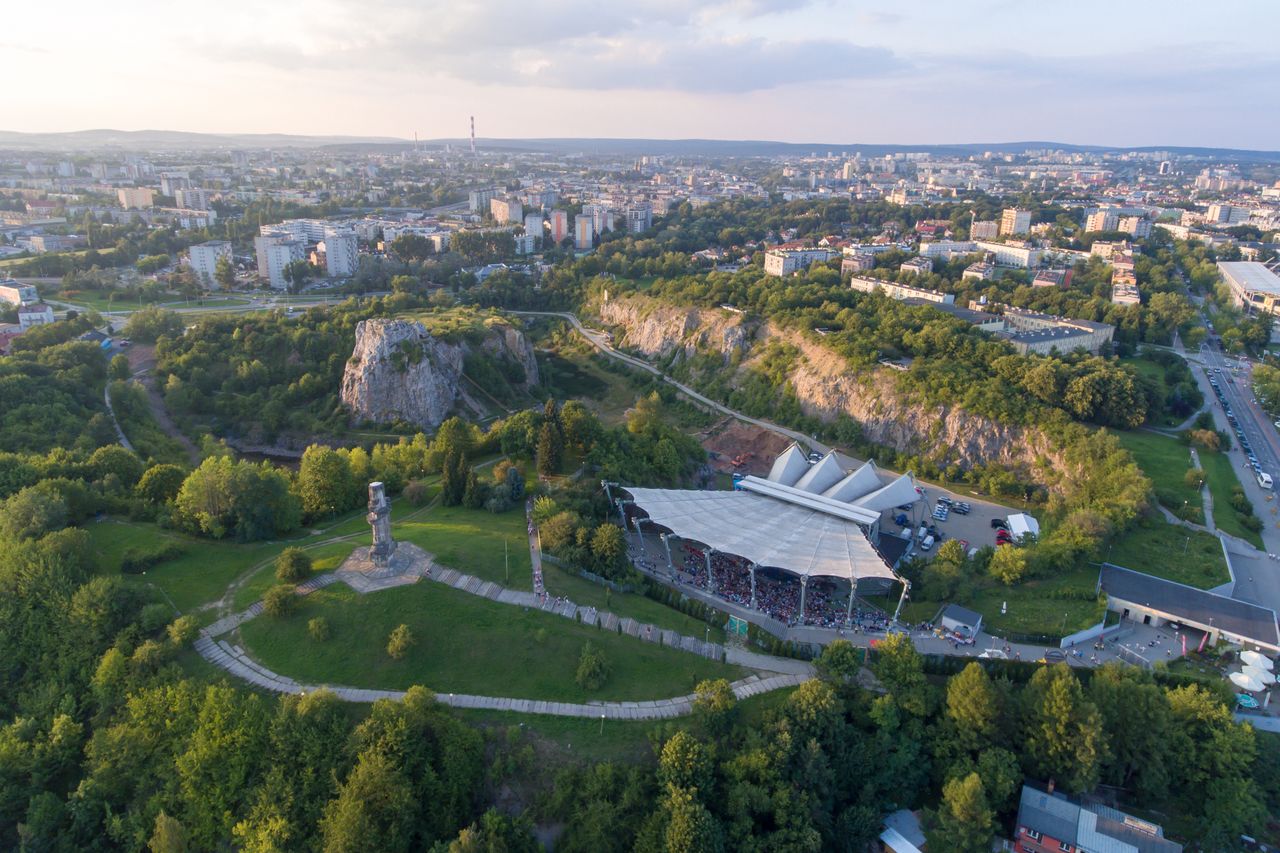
x=855 y=484
x=821 y=476
x=1260 y=675
x=1245 y=682
x=789 y=467
x=1020 y=524
x=803 y=540
x=900 y=491
x=1261 y=661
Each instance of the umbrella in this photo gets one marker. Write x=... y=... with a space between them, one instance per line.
x=1261 y=661
x=1245 y=682
x=1244 y=700
x=1260 y=675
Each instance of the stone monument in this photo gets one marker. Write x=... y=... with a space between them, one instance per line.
x=380 y=520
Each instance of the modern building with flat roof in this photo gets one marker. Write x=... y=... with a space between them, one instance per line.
x=1253 y=287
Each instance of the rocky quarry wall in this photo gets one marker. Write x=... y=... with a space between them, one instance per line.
x=824 y=384
x=399 y=372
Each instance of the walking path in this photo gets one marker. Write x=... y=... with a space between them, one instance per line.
x=124 y=439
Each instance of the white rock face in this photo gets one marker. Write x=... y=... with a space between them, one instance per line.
x=398 y=371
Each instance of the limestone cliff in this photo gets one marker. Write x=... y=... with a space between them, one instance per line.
x=823 y=383
x=399 y=372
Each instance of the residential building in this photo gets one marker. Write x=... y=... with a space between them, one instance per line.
x=526 y=244
x=1033 y=332
x=1012 y=254
x=1050 y=822
x=478 y=200
x=639 y=218
x=601 y=218
x=341 y=252
x=171 y=182
x=917 y=266
x=861 y=262
x=1225 y=214
x=893 y=290
x=584 y=232
x=274 y=253
x=788 y=261
x=533 y=225
x=1138 y=227
x=506 y=210
x=1124 y=288
x=1101 y=220
x=1052 y=278
x=1106 y=250
x=192 y=198
x=947 y=249
x=17 y=293
x=203 y=258
x=135 y=198
x=559 y=226
x=1015 y=220
x=34 y=314
x=984 y=229
x=1253 y=286
x=979 y=272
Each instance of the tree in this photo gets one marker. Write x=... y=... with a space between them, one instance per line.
x=31 y=513
x=550 y=449
x=839 y=662
x=973 y=706
x=593 y=668
x=251 y=501
x=714 y=704
x=374 y=809
x=293 y=565
x=474 y=494
x=169 y=836
x=318 y=629
x=160 y=484
x=151 y=323
x=1008 y=564
x=400 y=641
x=224 y=273
x=609 y=547
x=325 y=485
x=296 y=273
x=1062 y=730
x=1135 y=714
x=685 y=763
x=280 y=601
x=119 y=369
x=964 y=823
x=690 y=828
x=899 y=667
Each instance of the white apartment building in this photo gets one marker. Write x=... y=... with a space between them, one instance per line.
x=1225 y=214
x=984 y=229
x=947 y=249
x=893 y=290
x=35 y=314
x=275 y=252
x=506 y=210
x=135 y=198
x=787 y=261
x=917 y=266
x=1015 y=220
x=533 y=225
x=639 y=218
x=307 y=230
x=341 y=252
x=478 y=200
x=192 y=198
x=203 y=259
x=1101 y=220
x=1135 y=226
x=16 y=293
x=171 y=182
x=1012 y=254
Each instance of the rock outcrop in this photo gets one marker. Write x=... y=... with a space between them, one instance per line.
x=399 y=372
x=824 y=384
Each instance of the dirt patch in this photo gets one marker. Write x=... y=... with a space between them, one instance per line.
x=736 y=447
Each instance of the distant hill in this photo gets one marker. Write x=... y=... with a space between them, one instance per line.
x=174 y=140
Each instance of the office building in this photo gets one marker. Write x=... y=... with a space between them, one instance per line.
x=584 y=232
x=1052 y=278
x=135 y=198
x=1124 y=287
x=1253 y=287
x=979 y=272
x=947 y=249
x=341 y=252
x=559 y=226
x=788 y=261
x=192 y=198
x=203 y=258
x=16 y=293
x=506 y=210
x=1166 y=167
x=275 y=252
x=1014 y=220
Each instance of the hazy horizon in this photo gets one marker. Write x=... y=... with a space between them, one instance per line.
x=760 y=70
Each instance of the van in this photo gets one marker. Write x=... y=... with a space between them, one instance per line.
x=927 y=543
x=1264 y=480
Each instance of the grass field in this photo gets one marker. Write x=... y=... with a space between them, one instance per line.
x=1165 y=461
x=1222 y=479
x=472 y=541
x=1155 y=372
x=1172 y=551
x=466 y=644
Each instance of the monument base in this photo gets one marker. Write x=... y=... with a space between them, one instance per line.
x=408 y=561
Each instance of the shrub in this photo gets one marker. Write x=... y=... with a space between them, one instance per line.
x=415 y=492
x=593 y=668
x=137 y=560
x=400 y=641
x=318 y=629
x=280 y=600
x=293 y=565
x=154 y=617
x=183 y=630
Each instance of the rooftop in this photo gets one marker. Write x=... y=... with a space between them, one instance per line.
x=1250 y=276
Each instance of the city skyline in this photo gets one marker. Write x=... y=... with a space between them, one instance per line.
x=742 y=69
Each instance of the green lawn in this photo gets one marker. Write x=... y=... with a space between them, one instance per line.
x=472 y=541
x=465 y=644
x=324 y=558
x=1222 y=479
x=1172 y=551
x=1165 y=461
x=1155 y=372
x=581 y=591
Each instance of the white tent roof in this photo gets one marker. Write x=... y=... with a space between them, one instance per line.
x=900 y=491
x=1021 y=523
x=821 y=476
x=790 y=466
x=855 y=484
x=767 y=531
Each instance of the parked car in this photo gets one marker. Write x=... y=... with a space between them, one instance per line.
x=998 y=524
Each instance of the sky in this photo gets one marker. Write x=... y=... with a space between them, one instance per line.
x=824 y=71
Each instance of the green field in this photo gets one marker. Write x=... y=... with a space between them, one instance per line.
x=472 y=541
x=465 y=644
x=1155 y=373
x=1172 y=551
x=1222 y=479
x=1165 y=461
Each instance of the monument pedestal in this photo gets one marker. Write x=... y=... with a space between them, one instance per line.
x=386 y=562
